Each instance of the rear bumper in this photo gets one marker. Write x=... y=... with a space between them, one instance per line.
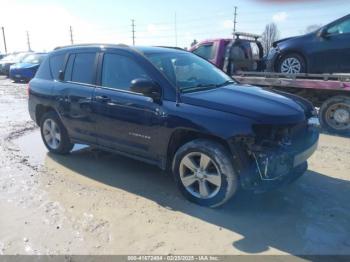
x=22 y=74
x=271 y=169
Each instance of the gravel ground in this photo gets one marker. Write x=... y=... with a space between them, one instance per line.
x=92 y=202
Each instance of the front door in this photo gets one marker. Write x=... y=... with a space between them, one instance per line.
x=125 y=121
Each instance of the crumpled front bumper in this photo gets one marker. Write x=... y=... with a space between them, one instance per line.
x=268 y=170
x=271 y=60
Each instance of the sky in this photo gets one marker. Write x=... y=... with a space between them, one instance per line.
x=106 y=21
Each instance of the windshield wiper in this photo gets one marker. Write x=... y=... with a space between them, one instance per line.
x=226 y=83
x=206 y=86
x=199 y=87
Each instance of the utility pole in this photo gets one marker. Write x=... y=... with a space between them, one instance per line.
x=175 y=29
x=235 y=20
x=3 y=37
x=133 y=31
x=71 y=35
x=28 y=42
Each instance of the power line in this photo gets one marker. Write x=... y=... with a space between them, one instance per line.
x=235 y=20
x=175 y=30
x=133 y=31
x=71 y=35
x=28 y=42
x=3 y=37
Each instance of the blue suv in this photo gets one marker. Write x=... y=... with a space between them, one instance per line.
x=173 y=109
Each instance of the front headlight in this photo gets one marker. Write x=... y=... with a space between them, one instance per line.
x=272 y=52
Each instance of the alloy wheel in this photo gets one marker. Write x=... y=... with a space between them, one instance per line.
x=200 y=175
x=52 y=133
x=291 y=66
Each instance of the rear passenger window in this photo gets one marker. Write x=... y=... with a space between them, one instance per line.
x=118 y=71
x=56 y=64
x=84 y=68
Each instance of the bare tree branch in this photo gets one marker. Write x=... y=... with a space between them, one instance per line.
x=270 y=35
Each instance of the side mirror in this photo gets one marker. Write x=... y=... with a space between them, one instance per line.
x=61 y=75
x=146 y=87
x=323 y=33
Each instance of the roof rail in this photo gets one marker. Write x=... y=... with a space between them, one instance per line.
x=88 y=44
x=172 y=47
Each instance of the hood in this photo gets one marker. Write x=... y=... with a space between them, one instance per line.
x=24 y=65
x=274 y=44
x=249 y=101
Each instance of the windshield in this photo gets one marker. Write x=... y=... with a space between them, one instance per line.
x=189 y=72
x=8 y=58
x=34 y=59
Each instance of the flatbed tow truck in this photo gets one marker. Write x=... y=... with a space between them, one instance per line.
x=242 y=58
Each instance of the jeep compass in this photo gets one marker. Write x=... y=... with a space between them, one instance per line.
x=173 y=109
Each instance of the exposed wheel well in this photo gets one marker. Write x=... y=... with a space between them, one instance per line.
x=181 y=137
x=40 y=110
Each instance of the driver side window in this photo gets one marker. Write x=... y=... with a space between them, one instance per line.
x=340 y=28
x=118 y=71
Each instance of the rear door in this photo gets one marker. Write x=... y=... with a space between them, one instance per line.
x=125 y=121
x=75 y=95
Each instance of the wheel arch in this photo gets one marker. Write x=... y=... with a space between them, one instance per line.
x=40 y=110
x=182 y=136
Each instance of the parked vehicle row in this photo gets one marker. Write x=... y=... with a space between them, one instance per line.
x=21 y=66
x=173 y=109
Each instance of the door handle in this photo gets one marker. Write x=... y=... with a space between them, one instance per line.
x=103 y=99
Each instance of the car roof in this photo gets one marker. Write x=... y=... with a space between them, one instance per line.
x=139 y=49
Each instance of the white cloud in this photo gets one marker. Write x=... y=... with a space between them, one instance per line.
x=280 y=17
x=228 y=24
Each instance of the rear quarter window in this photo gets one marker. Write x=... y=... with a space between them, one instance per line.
x=44 y=70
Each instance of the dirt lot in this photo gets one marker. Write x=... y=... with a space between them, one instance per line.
x=97 y=203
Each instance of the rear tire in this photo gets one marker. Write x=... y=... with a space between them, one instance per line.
x=54 y=134
x=335 y=115
x=204 y=173
x=292 y=64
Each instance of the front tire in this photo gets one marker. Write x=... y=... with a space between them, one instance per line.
x=204 y=173
x=292 y=64
x=54 y=134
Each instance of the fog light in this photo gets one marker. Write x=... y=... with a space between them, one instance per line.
x=313 y=121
